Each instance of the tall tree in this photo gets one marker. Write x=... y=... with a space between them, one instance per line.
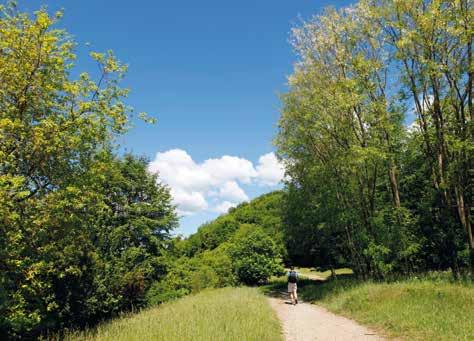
x=359 y=68
x=433 y=41
x=56 y=134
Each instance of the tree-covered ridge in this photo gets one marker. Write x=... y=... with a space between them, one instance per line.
x=263 y=211
x=244 y=246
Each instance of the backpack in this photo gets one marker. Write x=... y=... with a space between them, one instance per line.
x=292 y=277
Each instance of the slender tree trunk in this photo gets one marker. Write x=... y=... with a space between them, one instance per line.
x=463 y=212
x=394 y=185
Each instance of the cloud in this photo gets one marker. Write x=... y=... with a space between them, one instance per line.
x=179 y=171
x=232 y=191
x=224 y=207
x=269 y=170
x=228 y=168
x=188 y=203
x=193 y=184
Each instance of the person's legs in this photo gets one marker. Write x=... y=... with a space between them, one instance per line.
x=295 y=294
x=291 y=290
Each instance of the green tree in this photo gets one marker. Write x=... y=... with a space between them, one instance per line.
x=69 y=211
x=133 y=236
x=342 y=136
x=433 y=42
x=340 y=123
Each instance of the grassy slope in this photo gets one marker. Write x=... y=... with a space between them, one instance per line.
x=229 y=313
x=422 y=309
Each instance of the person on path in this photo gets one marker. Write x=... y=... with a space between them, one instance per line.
x=292 y=288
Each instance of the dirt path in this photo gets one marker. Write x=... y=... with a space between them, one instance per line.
x=306 y=321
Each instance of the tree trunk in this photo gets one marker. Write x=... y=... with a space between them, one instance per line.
x=463 y=212
x=394 y=185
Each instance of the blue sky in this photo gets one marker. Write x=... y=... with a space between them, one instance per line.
x=209 y=71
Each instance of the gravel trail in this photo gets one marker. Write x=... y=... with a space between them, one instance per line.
x=305 y=322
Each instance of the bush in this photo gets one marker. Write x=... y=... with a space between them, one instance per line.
x=162 y=291
x=255 y=255
x=191 y=275
x=250 y=257
x=221 y=263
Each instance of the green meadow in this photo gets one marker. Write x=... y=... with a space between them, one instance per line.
x=214 y=314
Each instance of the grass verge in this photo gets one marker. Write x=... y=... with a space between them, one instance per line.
x=415 y=309
x=218 y=314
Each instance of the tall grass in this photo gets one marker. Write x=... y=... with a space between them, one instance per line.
x=418 y=310
x=429 y=308
x=218 y=314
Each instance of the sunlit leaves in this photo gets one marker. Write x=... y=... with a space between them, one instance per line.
x=361 y=69
x=57 y=134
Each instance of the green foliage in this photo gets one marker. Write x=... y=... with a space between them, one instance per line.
x=255 y=255
x=135 y=230
x=211 y=269
x=175 y=284
x=364 y=190
x=221 y=264
x=83 y=233
x=264 y=211
x=249 y=257
x=233 y=249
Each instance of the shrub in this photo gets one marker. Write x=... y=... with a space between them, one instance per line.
x=162 y=291
x=221 y=263
x=255 y=255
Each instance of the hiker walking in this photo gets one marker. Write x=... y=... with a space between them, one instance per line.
x=292 y=280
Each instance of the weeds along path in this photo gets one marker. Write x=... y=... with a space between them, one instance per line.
x=304 y=322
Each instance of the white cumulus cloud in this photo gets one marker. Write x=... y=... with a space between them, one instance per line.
x=232 y=191
x=269 y=170
x=228 y=168
x=188 y=202
x=192 y=184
